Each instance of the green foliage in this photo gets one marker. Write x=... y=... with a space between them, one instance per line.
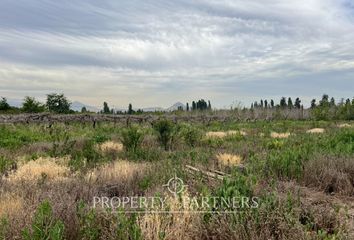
x=286 y=164
x=340 y=143
x=4 y=226
x=89 y=227
x=44 y=225
x=130 y=109
x=58 y=103
x=127 y=227
x=4 y=106
x=61 y=143
x=144 y=154
x=5 y=164
x=100 y=138
x=200 y=105
x=30 y=105
x=165 y=132
x=275 y=144
x=11 y=137
x=86 y=158
x=132 y=138
x=106 y=108
x=191 y=135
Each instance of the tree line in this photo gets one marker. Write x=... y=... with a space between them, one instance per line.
x=325 y=109
x=284 y=103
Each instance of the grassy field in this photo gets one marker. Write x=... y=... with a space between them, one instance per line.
x=302 y=173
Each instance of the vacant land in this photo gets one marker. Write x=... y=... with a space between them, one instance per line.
x=301 y=172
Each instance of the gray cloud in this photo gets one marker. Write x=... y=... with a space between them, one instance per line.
x=156 y=52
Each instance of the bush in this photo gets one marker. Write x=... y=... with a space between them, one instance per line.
x=165 y=131
x=5 y=165
x=88 y=222
x=61 y=143
x=131 y=139
x=100 y=138
x=128 y=227
x=30 y=105
x=44 y=225
x=191 y=135
x=85 y=158
x=4 y=225
x=288 y=164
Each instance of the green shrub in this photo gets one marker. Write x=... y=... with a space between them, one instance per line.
x=127 y=227
x=85 y=158
x=5 y=164
x=89 y=228
x=165 y=132
x=44 y=225
x=4 y=225
x=287 y=164
x=131 y=138
x=61 y=143
x=191 y=135
x=100 y=138
x=275 y=144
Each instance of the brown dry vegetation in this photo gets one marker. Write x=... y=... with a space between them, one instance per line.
x=305 y=182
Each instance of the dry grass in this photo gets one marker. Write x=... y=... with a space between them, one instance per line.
x=233 y=132
x=229 y=159
x=111 y=146
x=10 y=205
x=117 y=171
x=42 y=167
x=330 y=174
x=216 y=134
x=316 y=130
x=224 y=134
x=344 y=125
x=279 y=135
x=174 y=226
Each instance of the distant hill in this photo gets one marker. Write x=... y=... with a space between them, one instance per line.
x=175 y=107
x=77 y=106
x=15 y=102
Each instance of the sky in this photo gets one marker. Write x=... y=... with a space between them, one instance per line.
x=157 y=52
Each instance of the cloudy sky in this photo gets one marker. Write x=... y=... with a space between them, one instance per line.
x=157 y=52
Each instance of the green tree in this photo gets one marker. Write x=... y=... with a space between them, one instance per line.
x=209 y=105
x=132 y=138
x=194 y=106
x=283 y=102
x=297 y=103
x=4 y=106
x=313 y=103
x=164 y=129
x=130 y=109
x=106 y=108
x=58 y=103
x=83 y=110
x=202 y=105
x=290 y=103
x=265 y=103
x=30 y=105
x=187 y=107
x=272 y=103
x=324 y=102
